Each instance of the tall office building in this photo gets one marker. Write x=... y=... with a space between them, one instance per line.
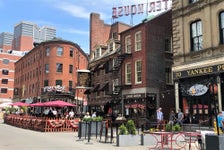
x=26 y=33
x=6 y=41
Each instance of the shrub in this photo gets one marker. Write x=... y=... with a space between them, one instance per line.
x=98 y=119
x=122 y=130
x=131 y=127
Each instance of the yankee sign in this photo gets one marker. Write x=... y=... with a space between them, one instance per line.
x=149 y=7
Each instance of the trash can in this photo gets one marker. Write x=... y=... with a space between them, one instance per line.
x=214 y=142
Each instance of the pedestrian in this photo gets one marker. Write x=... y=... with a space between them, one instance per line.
x=94 y=115
x=220 y=121
x=159 y=116
x=180 y=117
x=172 y=118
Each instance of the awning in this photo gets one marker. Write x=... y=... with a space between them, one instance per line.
x=95 y=88
x=104 y=87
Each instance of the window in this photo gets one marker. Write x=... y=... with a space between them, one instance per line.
x=128 y=44
x=59 y=67
x=115 y=83
x=138 y=71
x=128 y=73
x=70 y=84
x=46 y=68
x=58 y=82
x=59 y=51
x=46 y=83
x=47 y=51
x=167 y=45
x=138 y=41
x=97 y=52
x=71 y=52
x=5 y=72
x=168 y=75
x=4 y=90
x=111 y=46
x=5 y=61
x=196 y=36
x=221 y=27
x=192 y=1
x=4 y=81
x=70 y=68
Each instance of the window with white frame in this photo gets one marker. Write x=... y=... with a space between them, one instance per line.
x=46 y=68
x=115 y=83
x=59 y=51
x=97 y=52
x=128 y=73
x=128 y=44
x=59 y=67
x=48 y=51
x=221 y=27
x=138 y=71
x=196 y=36
x=138 y=41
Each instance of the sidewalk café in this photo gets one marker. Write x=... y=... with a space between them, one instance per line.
x=52 y=116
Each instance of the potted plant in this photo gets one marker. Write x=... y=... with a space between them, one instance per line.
x=127 y=133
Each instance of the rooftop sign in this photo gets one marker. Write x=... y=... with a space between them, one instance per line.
x=149 y=7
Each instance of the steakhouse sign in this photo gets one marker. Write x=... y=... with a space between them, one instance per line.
x=149 y=7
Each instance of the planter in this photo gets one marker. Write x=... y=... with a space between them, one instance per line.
x=128 y=140
x=84 y=128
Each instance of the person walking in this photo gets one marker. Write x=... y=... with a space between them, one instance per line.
x=180 y=117
x=159 y=115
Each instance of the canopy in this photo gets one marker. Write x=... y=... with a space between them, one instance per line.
x=58 y=103
x=37 y=104
x=19 y=104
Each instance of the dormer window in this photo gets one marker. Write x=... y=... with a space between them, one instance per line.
x=111 y=46
x=98 y=52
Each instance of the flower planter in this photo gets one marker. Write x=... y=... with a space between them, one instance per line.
x=128 y=140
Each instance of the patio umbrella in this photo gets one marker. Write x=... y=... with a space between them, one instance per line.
x=58 y=103
x=19 y=104
x=39 y=104
x=8 y=104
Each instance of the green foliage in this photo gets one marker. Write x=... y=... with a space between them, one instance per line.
x=128 y=128
x=131 y=127
x=87 y=119
x=175 y=127
x=98 y=119
x=123 y=130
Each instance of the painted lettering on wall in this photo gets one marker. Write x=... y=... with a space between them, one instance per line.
x=149 y=7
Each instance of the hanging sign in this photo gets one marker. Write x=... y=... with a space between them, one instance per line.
x=197 y=90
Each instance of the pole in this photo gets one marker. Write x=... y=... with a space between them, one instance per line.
x=213 y=91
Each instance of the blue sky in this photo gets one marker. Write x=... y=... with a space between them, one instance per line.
x=70 y=17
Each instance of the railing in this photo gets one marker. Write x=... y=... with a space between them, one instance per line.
x=42 y=124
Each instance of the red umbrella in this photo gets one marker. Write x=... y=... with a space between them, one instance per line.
x=19 y=104
x=58 y=103
x=37 y=104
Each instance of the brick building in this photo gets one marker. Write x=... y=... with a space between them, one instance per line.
x=146 y=68
x=104 y=51
x=7 y=61
x=198 y=29
x=49 y=72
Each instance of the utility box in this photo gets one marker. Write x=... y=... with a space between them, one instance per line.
x=214 y=142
